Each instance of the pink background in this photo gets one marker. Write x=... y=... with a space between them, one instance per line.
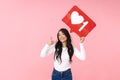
x=26 y=25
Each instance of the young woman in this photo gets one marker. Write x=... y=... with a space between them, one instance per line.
x=63 y=52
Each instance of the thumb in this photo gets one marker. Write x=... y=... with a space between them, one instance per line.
x=51 y=39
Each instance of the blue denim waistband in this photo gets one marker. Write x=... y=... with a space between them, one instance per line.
x=62 y=75
x=66 y=71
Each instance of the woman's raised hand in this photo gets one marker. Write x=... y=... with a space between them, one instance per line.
x=82 y=39
x=51 y=41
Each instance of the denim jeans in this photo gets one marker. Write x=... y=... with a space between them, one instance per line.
x=64 y=75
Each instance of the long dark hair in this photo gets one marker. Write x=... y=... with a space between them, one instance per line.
x=58 y=46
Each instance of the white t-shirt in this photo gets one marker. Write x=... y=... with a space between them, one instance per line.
x=65 y=64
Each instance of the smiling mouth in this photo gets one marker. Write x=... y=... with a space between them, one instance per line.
x=62 y=39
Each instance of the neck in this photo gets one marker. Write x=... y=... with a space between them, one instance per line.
x=64 y=44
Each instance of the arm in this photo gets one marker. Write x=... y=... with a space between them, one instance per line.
x=80 y=54
x=47 y=49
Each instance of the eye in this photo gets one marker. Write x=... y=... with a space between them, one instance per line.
x=63 y=34
x=59 y=35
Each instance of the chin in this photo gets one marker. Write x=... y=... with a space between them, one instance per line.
x=62 y=41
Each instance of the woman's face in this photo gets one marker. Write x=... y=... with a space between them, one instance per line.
x=62 y=37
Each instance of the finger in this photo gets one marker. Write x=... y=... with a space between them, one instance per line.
x=51 y=38
x=82 y=37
